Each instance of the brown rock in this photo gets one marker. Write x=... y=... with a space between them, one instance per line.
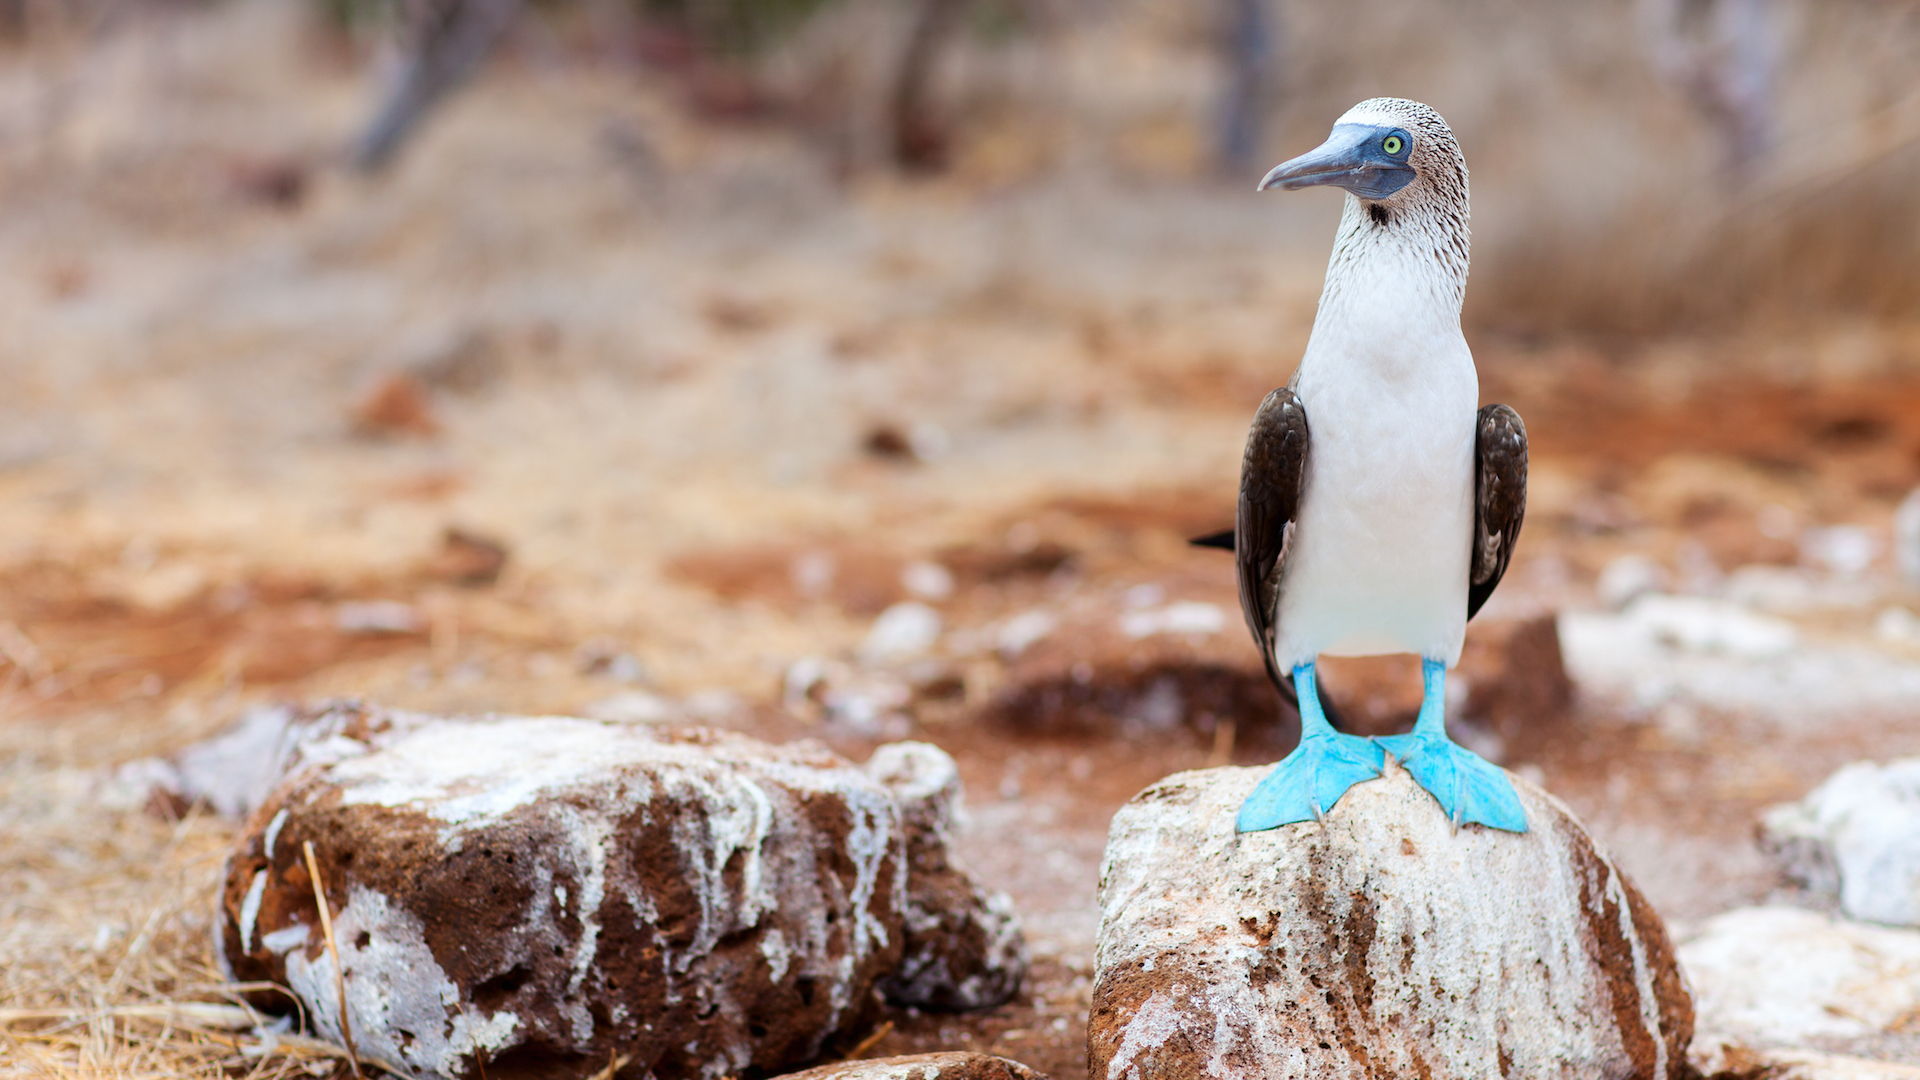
x=949 y=1065
x=532 y=895
x=468 y=558
x=1380 y=943
x=963 y=947
x=281 y=183
x=1515 y=680
x=395 y=404
x=1515 y=674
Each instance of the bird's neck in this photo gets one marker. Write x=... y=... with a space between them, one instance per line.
x=1397 y=271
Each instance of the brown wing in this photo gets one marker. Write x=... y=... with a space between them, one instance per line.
x=1499 y=498
x=1272 y=476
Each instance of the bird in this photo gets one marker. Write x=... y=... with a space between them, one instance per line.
x=1378 y=506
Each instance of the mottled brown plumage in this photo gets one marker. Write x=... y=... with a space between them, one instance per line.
x=1500 y=498
x=1272 y=475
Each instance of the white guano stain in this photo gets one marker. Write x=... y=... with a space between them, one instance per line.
x=773 y=948
x=1157 y=1021
x=403 y=1010
x=250 y=909
x=462 y=773
x=590 y=836
x=869 y=839
x=273 y=832
x=286 y=939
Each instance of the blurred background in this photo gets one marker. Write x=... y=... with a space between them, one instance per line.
x=857 y=369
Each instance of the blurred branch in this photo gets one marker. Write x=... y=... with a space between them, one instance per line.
x=920 y=136
x=1247 y=42
x=445 y=41
x=1721 y=54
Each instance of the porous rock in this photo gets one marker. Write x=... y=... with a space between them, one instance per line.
x=1377 y=943
x=1855 y=837
x=516 y=896
x=964 y=947
x=951 y=1065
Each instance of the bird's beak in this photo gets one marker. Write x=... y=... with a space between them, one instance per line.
x=1352 y=159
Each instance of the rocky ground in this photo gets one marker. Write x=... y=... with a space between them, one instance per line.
x=592 y=409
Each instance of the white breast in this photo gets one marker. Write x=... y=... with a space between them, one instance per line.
x=1379 y=559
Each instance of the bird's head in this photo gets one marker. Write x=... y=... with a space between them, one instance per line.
x=1384 y=150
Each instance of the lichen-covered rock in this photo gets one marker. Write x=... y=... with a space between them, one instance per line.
x=1735 y=1062
x=532 y=895
x=1782 y=976
x=951 y=1065
x=1380 y=943
x=1855 y=837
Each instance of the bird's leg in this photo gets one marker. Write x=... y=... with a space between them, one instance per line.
x=1467 y=787
x=1306 y=784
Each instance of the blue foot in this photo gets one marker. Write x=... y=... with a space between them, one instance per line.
x=1466 y=786
x=1310 y=780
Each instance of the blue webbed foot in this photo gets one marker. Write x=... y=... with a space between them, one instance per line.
x=1305 y=785
x=1467 y=787
x=1311 y=779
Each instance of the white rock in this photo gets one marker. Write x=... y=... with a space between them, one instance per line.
x=805 y=678
x=1846 y=550
x=812 y=573
x=930 y=441
x=1770 y=588
x=1809 y=686
x=1897 y=625
x=1857 y=835
x=1179 y=617
x=902 y=632
x=927 y=580
x=1812 y=1065
x=1772 y=976
x=634 y=707
x=1023 y=631
x=1724 y=1059
x=1380 y=943
x=378 y=617
x=1627 y=577
x=1713 y=626
x=869 y=705
x=233 y=771
x=1906 y=537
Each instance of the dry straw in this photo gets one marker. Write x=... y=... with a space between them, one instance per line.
x=333 y=950
x=106 y=958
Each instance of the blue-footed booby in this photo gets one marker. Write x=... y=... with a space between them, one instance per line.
x=1383 y=525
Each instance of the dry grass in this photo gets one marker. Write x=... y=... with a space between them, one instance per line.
x=106 y=965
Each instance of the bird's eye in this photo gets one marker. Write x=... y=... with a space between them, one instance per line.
x=1393 y=144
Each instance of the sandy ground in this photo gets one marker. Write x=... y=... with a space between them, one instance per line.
x=717 y=407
